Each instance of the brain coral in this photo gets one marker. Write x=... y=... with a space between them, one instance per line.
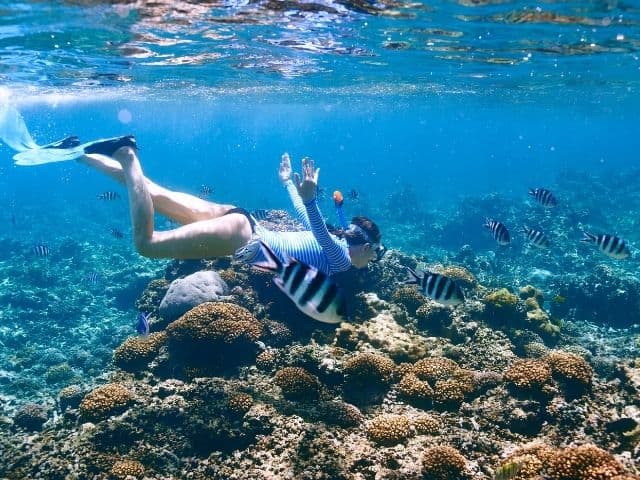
x=127 y=468
x=297 y=384
x=214 y=334
x=528 y=374
x=136 y=352
x=571 y=369
x=443 y=463
x=105 y=401
x=586 y=462
x=389 y=429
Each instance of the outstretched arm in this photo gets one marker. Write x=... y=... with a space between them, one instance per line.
x=337 y=255
x=284 y=172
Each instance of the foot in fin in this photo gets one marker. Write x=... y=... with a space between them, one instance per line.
x=109 y=146
x=69 y=142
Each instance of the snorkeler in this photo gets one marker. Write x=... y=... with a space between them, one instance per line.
x=209 y=229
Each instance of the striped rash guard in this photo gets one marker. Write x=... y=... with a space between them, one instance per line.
x=316 y=246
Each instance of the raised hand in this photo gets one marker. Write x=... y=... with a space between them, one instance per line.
x=307 y=186
x=284 y=170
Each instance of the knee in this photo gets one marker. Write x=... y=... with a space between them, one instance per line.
x=144 y=247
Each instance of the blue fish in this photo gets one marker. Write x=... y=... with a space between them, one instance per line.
x=142 y=324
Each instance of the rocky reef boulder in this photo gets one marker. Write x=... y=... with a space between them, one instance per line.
x=189 y=292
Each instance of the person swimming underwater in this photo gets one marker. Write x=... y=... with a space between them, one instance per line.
x=207 y=229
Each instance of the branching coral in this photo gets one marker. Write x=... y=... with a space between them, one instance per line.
x=528 y=374
x=439 y=379
x=214 y=335
x=443 y=463
x=389 y=429
x=297 y=384
x=105 y=401
x=426 y=425
x=239 y=403
x=365 y=369
x=136 y=352
x=30 y=417
x=124 y=469
x=570 y=369
x=340 y=413
x=586 y=462
x=416 y=391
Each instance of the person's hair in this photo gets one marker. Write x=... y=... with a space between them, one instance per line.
x=355 y=237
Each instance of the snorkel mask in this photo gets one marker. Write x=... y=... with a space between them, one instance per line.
x=379 y=248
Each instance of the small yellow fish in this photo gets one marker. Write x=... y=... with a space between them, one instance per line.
x=559 y=299
x=507 y=471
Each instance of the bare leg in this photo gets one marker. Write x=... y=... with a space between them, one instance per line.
x=206 y=238
x=180 y=207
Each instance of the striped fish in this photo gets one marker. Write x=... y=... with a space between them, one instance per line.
x=610 y=245
x=313 y=292
x=260 y=214
x=108 y=196
x=437 y=287
x=40 y=250
x=536 y=237
x=116 y=233
x=544 y=197
x=498 y=231
x=93 y=278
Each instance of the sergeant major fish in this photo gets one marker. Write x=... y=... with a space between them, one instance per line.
x=498 y=231
x=313 y=292
x=108 y=196
x=438 y=287
x=544 y=197
x=610 y=245
x=536 y=237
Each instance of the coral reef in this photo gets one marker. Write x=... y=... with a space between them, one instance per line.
x=443 y=463
x=30 y=417
x=214 y=336
x=125 y=469
x=105 y=401
x=136 y=352
x=570 y=369
x=529 y=374
x=297 y=384
x=389 y=429
x=586 y=462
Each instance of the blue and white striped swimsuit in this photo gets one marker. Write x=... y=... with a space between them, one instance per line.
x=316 y=246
